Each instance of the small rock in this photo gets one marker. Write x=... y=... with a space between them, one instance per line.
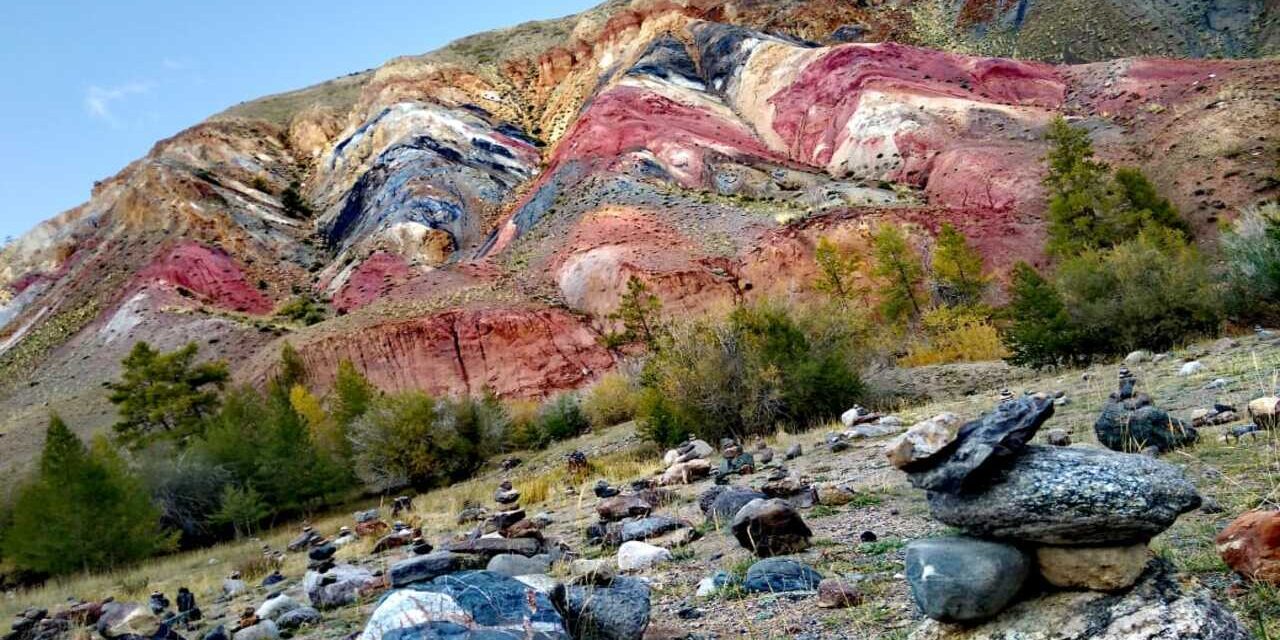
x=770 y=528
x=996 y=435
x=834 y=494
x=302 y=616
x=1138 y=357
x=1058 y=437
x=794 y=451
x=514 y=566
x=1191 y=368
x=636 y=555
x=725 y=503
x=964 y=579
x=685 y=472
x=1095 y=568
x=714 y=583
x=838 y=594
x=779 y=575
x=923 y=441
x=603 y=490
x=620 y=507
x=264 y=630
x=275 y=607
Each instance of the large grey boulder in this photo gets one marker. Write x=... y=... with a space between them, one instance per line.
x=1159 y=607
x=470 y=604
x=962 y=579
x=995 y=436
x=619 y=611
x=1071 y=496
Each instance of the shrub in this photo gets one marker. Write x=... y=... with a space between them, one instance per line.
x=1252 y=265
x=164 y=395
x=956 y=334
x=412 y=439
x=660 y=422
x=744 y=375
x=295 y=206
x=523 y=424
x=82 y=510
x=611 y=400
x=1150 y=293
x=639 y=313
x=304 y=310
x=561 y=418
x=187 y=490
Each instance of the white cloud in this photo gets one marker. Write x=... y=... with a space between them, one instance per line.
x=175 y=64
x=99 y=101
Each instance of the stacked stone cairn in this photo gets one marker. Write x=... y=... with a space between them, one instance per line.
x=1130 y=422
x=1048 y=532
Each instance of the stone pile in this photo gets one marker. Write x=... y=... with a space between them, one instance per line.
x=1037 y=520
x=735 y=461
x=1129 y=422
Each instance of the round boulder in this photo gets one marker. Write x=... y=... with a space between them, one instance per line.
x=962 y=579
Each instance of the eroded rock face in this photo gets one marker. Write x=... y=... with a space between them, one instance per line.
x=1158 y=607
x=1073 y=496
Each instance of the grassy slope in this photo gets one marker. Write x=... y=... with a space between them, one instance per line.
x=1239 y=476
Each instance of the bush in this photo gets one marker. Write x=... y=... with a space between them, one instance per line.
x=188 y=492
x=523 y=424
x=1252 y=265
x=242 y=509
x=956 y=334
x=304 y=310
x=611 y=400
x=1150 y=293
x=747 y=374
x=412 y=439
x=82 y=510
x=561 y=418
x=660 y=422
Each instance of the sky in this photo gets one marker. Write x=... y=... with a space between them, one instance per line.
x=86 y=86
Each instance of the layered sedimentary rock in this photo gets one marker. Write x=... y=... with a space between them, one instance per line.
x=476 y=213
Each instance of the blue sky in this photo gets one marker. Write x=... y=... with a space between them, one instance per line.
x=90 y=85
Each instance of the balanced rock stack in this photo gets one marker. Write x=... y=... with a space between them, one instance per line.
x=1130 y=422
x=1055 y=538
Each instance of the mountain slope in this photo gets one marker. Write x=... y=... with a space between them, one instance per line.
x=478 y=210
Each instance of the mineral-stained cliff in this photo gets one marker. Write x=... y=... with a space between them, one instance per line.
x=476 y=212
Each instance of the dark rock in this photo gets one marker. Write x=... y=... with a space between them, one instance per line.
x=777 y=575
x=471 y=604
x=1071 y=495
x=503 y=520
x=322 y=552
x=794 y=451
x=303 y=540
x=770 y=528
x=340 y=586
x=1129 y=422
x=963 y=579
x=273 y=579
x=217 y=633
x=1159 y=606
x=742 y=464
x=849 y=33
x=489 y=547
x=727 y=503
x=619 y=611
x=647 y=528
x=431 y=566
x=472 y=514
x=603 y=490
x=996 y=435
x=868 y=536
x=620 y=507
x=299 y=617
